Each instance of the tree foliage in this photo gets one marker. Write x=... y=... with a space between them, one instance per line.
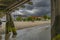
x=57 y=37
x=46 y=17
x=19 y=18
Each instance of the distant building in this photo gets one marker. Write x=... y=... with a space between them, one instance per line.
x=37 y=16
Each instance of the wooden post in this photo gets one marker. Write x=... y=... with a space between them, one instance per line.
x=9 y=24
x=52 y=17
x=55 y=12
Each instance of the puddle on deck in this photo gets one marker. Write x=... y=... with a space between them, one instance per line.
x=7 y=37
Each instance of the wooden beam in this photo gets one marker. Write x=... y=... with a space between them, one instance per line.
x=3 y=4
x=17 y=4
x=55 y=12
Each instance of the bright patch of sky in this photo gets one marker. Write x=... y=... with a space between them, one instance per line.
x=32 y=11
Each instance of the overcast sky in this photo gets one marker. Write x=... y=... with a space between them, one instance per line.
x=38 y=8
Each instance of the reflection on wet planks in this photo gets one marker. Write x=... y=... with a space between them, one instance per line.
x=7 y=37
x=0 y=37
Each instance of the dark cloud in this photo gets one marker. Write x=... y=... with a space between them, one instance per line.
x=42 y=7
x=29 y=7
x=42 y=11
x=43 y=3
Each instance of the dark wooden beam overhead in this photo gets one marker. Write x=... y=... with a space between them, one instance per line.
x=17 y=4
x=11 y=4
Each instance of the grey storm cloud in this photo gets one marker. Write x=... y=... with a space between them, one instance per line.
x=42 y=11
x=29 y=7
x=43 y=7
x=39 y=7
x=42 y=4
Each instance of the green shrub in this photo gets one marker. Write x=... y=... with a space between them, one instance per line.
x=45 y=17
x=19 y=18
x=57 y=37
x=49 y=17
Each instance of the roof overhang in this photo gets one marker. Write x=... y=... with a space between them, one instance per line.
x=8 y=5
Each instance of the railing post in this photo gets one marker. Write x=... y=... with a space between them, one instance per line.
x=10 y=24
x=55 y=12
